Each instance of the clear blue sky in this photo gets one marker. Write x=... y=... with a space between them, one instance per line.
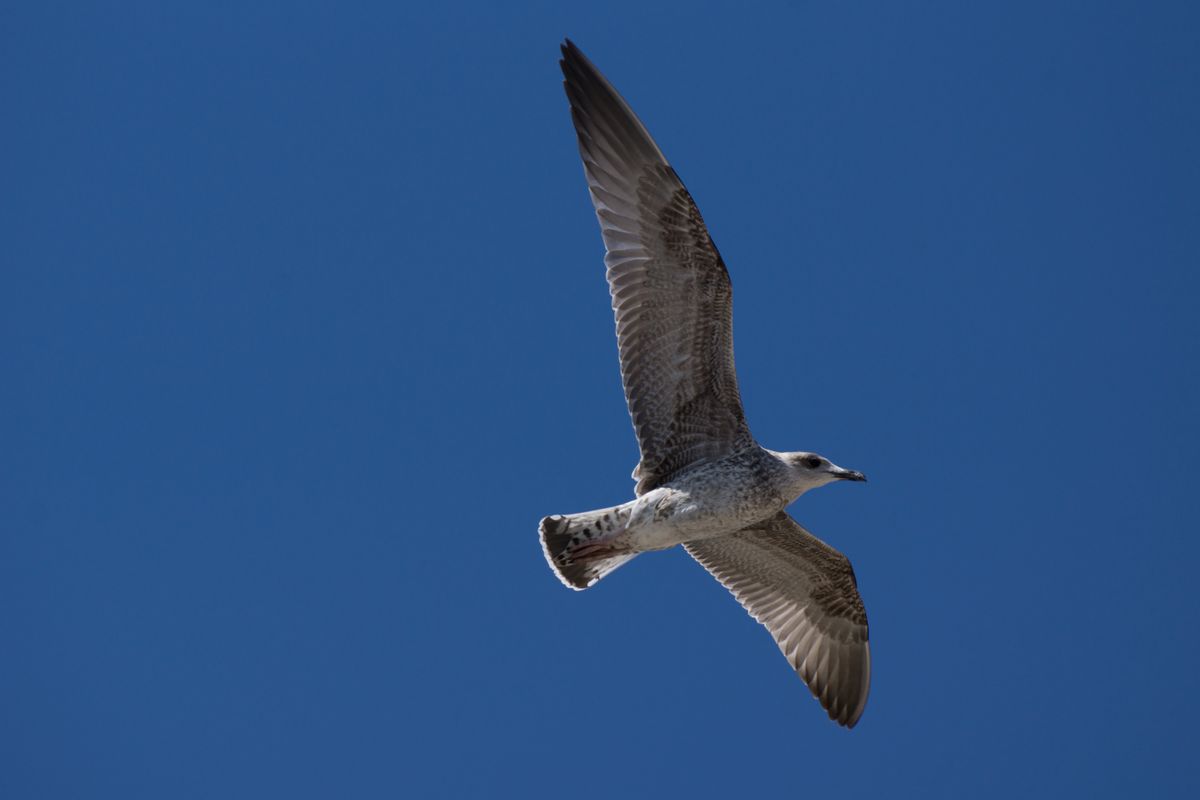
x=303 y=327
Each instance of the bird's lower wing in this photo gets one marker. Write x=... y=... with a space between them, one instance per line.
x=806 y=595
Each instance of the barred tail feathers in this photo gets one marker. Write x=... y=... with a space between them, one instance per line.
x=577 y=546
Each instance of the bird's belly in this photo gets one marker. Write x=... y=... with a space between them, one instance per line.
x=674 y=517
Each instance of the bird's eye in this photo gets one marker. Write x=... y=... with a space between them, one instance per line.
x=812 y=462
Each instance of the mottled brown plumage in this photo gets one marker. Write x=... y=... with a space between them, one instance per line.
x=702 y=479
x=670 y=290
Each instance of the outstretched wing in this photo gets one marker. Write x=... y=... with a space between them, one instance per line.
x=805 y=594
x=670 y=290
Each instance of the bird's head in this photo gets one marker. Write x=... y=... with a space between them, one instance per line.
x=810 y=470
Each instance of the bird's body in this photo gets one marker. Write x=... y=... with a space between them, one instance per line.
x=712 y=498
x=703 y=481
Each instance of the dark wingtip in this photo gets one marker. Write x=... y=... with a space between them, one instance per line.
x=573 y=56
x=569 y=51
x=570 y=54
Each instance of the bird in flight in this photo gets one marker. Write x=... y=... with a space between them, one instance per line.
x=703 y=481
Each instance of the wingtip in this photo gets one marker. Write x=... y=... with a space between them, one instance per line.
x=864 y=687
x=570 y=57
x=850 y=716
x=570 y=51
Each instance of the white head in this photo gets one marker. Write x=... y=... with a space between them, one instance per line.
x=809 y=470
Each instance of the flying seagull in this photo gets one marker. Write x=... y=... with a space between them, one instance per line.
x=703 y=481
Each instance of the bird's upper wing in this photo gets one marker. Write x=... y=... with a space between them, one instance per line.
x=805 y=594
x=670 y=290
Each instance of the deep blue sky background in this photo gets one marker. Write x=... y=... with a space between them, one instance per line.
x=303 y=326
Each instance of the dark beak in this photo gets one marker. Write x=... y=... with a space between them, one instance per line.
x=851 y=475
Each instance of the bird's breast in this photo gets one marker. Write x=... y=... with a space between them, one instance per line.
x=714 y=499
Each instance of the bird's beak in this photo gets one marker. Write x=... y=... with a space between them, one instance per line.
x=850 y=475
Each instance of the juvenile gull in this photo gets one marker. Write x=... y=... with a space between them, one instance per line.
x=703 y=481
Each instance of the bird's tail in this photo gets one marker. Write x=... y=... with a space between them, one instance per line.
x=580 y=548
